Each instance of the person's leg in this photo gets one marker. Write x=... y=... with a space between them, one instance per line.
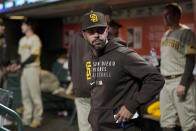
x=83 y=109
x=35 y=92
x=167 y=106
x=186 y=109
x=26 y=100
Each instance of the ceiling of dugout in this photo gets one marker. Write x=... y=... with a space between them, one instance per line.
x=65 y=8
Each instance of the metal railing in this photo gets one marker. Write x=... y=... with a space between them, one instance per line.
x=13 y=114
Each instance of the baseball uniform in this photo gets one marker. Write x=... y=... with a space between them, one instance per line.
x=175 y=45
x=30 y=79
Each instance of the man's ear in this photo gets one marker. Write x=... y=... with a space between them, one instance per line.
x=84 y=34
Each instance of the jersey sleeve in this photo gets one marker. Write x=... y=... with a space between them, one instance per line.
x=190 y=43
x=36 y=46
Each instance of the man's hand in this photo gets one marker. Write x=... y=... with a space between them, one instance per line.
x=123 y=115
x=180 y=91
x=14 y=67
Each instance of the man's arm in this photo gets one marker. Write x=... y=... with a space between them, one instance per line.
x=187 y=76
x=4 y=60
x=18 y=65
x=189 y=40
x=29 y=60
x=149 y=79
x=148 y=85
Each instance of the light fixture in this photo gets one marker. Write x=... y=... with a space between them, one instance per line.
x=17 y=17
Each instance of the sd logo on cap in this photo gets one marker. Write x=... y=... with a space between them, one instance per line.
x=93 y=19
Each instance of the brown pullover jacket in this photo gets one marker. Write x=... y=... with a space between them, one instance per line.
x=118 y=76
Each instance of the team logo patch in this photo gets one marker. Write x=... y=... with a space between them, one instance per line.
x=94 y=18
x=190 y=48
x=88 y=70
x=100 y=83
x=35 y=51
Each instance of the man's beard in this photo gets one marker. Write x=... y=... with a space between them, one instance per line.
x=99 y=47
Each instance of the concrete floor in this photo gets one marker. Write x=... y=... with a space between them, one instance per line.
x=51 y=122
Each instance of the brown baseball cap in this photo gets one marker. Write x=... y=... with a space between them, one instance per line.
x=93 y=19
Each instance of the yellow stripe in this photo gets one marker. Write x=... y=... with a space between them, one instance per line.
x=36 y=51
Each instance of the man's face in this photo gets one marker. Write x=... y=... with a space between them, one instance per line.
x=25 y=28
x=2 y=29
x=96 y=37
x=170 y=18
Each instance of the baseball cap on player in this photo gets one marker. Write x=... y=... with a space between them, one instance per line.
x=93 y=19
